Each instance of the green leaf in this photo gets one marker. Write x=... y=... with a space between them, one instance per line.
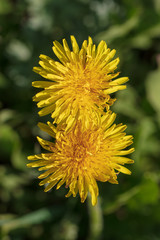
x=7 y=114
x=121 y=200
x=153 y=89
x=9 y=140
x=3 y=81
x=5 y=7
x=148 y=194
x=19 y=50
x=127 y=103
x=143 y=39
x=146 y=143
x=118 y=31
x=39 y=216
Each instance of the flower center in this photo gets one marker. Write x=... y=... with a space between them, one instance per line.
x=85 y=83
x=79 y=153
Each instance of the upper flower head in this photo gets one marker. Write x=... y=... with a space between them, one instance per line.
x=80 y=85
x=80 y=157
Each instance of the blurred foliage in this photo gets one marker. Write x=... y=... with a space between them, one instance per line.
x=127 y=211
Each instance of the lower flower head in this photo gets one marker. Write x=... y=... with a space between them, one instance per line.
x=82 y=157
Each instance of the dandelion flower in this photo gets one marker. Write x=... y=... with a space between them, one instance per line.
x=81 y=157
x=79 y=85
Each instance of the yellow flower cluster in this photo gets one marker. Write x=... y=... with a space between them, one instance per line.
x=88 y=147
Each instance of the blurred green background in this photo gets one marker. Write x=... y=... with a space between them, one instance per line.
x=127 y=211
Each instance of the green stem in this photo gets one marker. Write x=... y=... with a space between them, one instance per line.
x=95 y=220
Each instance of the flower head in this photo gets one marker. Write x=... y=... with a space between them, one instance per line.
x=80 y=84
x=81 y=157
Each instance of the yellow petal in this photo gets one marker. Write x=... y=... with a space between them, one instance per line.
x=42 y=84
x=74 y=45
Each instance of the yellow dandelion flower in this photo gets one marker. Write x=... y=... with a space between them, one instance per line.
x=80 y=85
x=81 y=157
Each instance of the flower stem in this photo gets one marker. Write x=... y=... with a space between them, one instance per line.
x=95 y=220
